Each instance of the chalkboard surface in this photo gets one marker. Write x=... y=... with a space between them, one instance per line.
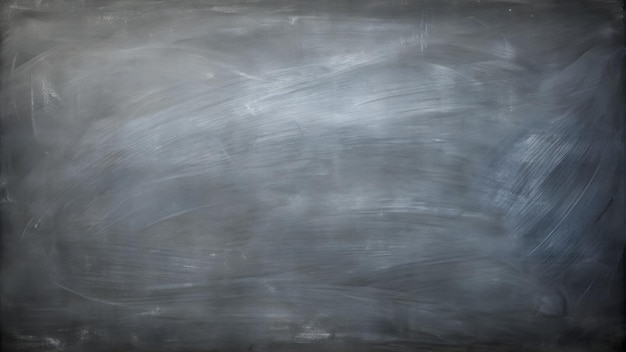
x=377 y=175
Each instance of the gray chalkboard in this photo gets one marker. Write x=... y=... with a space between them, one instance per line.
x=376 y=175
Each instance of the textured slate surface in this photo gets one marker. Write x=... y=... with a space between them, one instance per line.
x=312 y=175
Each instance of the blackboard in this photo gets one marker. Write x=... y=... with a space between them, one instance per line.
x=377 y=175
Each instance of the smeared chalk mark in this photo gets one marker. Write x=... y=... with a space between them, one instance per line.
x=228 y=9
x=586 y=292
x=479 y=21
x=565 y=216
x=93 y=299
x=32 y=110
